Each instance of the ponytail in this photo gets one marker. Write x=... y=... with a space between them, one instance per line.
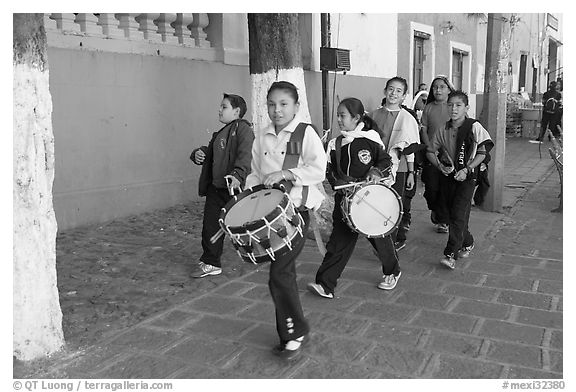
x=369 y=124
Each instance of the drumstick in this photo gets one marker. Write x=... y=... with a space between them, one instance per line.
x=215 y=237
x=337 y=187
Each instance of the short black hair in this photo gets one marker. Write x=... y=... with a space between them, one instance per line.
x=237 y=102
x=422 y=84
x=459 y=94
x=286 y=86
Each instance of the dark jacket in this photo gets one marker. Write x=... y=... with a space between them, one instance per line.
x=238 y=153
x=357 y=160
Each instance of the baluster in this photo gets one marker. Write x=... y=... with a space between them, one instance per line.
x=130 y=26
x=65 y=22
x=148 y=28
x=182 y=31
x=49 y=23
x=110 y=26
x=89 y=24
x=165 y=28
x=197 y=27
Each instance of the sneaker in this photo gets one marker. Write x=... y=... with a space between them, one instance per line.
x=442 y=228
x=205 y=270
x=465 y=251
x=448 y=261
x=433 y=217
x=389 y=282
x=399 y=245
x=536 y=141
x=317 y=289
x=291 y=349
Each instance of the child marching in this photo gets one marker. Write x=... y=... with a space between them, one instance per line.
x=356 y=155
x=226 y=158
x=461 y=147
x=269 y=150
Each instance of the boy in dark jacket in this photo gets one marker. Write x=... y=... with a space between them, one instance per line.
x=461 y=146
x=226 y=158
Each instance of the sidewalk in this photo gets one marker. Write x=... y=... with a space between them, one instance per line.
x=498 y=315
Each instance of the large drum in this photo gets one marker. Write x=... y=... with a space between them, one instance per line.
x=372 y=209
x=262 y=223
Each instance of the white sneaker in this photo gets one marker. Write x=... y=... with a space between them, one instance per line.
x=465 y=251
x=319 y=290
x=442 y=228
x=390 y=281
x=205 y=270
x=448 y=261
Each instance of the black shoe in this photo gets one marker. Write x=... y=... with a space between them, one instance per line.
x=433 y=217
x=281 y=351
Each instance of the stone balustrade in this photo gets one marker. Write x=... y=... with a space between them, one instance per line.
x=177 y=29
x=210 y=37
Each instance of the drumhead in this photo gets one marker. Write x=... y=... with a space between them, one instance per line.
x=253 y=207
x=375 y=209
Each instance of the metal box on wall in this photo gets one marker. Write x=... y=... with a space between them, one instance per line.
x=334 y=59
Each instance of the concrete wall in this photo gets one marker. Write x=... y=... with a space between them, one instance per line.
x=371 y=39
x=124 y=126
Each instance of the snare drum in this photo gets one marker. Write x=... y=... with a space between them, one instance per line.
x=372 y=209
x=262 y=223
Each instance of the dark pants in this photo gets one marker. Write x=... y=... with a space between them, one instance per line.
x=549 y=121
x=406 y=206
x=456 y=199
x=400 y=187
x=215 y=200
x=290 y=321
x=431 y=179
x=341 y=245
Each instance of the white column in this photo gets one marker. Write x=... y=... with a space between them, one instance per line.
x=181 y=29
x=199 y=23
x=165 y=28
x=89 y=24
x=130 y=26
x=148 y=28
x=65 y=22
x=110 y=26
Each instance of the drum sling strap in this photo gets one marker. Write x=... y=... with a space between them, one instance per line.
x=338 y=154
x=293 y=151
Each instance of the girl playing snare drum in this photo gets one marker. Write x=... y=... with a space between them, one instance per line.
x=362 y=157
x=269 y=150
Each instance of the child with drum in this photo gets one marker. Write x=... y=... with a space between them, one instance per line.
x=400 y=134
x=271 y=146
x=461 y=146
x=356 y=155
x=226 y=158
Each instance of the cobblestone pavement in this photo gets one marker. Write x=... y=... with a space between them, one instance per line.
x=497 y=315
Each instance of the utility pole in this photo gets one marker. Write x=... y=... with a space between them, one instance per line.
x=494 y=108
x=325 y=38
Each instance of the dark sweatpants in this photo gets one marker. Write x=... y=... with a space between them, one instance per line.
x=400 y=187
x=456 y=197
x=431 y=179
x=406 y=206
x=290 y=321
x=341 y=245
x=549 y=120
x=216 y=198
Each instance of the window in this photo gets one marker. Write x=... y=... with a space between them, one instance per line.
x=457 y=68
